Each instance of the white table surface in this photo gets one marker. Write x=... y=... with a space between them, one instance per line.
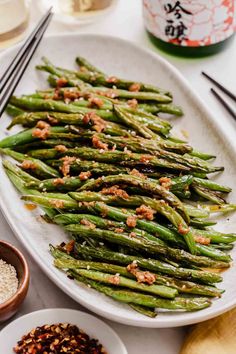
x=126 y=22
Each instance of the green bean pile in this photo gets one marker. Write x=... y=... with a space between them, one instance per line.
x=135 y=200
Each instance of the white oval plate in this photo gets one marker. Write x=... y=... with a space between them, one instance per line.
x=124 y=59
x=89 y=324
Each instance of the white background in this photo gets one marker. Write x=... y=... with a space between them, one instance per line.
x=125 y=21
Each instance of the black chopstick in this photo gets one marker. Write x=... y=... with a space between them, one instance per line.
x=224 y=103
x=221 y=87
x=16 y=60
x=15 y=78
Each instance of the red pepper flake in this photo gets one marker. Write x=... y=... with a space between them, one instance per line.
x=135 y=87
x=83 y=176
x=183 y=230
x=58 y=338
x=61 y=82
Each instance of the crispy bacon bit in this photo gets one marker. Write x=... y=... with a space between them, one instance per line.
x=58 y=181
x=95 y=101
x=133 y=103
x=183 y=230
x=42 y=125
x=131 y=221
x=57 y=203
x=69 y=246
x=135 y=87
x=62 y=82
x=115 y=190
x=146 y=158
x=28 y=165
x=119 y=230
x=98 y=144
x=132 y=234
x=145 y=212
x=142 y=276
x=87 y=223
x=60 y=148
x=165 y=182
x=202 y=240
x=67 y=161
x=136 y=173
x=112 y=80
x=114 y=279
x=83 y=176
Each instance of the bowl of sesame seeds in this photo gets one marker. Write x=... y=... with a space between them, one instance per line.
x=14 y=280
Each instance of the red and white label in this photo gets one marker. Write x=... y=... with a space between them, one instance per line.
x=190 y=22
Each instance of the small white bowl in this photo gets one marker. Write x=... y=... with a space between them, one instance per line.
x=91 y=325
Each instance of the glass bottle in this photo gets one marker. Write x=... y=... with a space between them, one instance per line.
x=190 y=27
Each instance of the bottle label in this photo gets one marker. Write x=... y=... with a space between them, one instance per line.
x=190 y=23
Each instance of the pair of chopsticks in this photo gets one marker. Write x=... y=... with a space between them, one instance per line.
x=219 y=97
x=18 y=65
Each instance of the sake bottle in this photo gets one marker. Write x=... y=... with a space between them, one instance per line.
x=190 y=27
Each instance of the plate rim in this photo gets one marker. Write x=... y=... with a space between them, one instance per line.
x=122 y=347
x=225 y=131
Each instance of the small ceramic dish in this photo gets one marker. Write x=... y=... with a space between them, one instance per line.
x=13 y=256
x=91 y=325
